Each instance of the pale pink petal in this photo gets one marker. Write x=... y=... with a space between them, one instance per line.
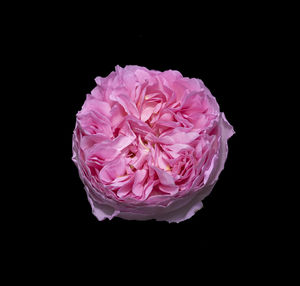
x=157 y=107
x=167 y=123
x=112 y=170
x=148 y=189
x=125 y=189
x=127 y=103
x=143 y=75
x=102 y=150
x=94 y=104
x=129 y=80
x=220 y=159
x=161 y=159
x=140 y=159
x=117 y=114
x=125 y=137
x=102 y=211
x=171 y=76
x=184 y=121
x=147 y=112
x=89 y=140
x=138 y=94
x=98 y=93
x=180 y=137
x=176 y=149
x=202 y=145
x=121 y=142
x=169 y=189
x=138 y=126
x=94 y=123
x=138 y=185
x=164 y=177
x=184 y=212
x=194 y=101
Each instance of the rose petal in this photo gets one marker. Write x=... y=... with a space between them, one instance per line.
x=178 y=137
x=164 y=177
x=138 y=185
x=219 y=160
x=147 y=112
x=127 y=103
x=102 y=211
x=138 y=126
x=103 y=150
x=94 y=104
x=112 y=170
x=125 y=189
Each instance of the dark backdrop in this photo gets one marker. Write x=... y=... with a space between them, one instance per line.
x=218 y=60
x=51 y=55
x=63 y=52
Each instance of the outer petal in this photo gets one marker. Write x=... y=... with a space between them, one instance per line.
x=183 y=213
x=220 y=159
x=94 y=104
x=102 y=211
x=179 y=210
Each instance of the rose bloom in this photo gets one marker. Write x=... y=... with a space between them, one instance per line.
x=149 y=145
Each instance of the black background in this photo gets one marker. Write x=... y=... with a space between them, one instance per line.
x=51 y=53
x=219 y=62
x=61 y=51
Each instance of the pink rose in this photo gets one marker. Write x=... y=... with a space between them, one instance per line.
x=149 y=145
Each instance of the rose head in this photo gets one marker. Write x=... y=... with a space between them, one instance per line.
x=149 y=145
